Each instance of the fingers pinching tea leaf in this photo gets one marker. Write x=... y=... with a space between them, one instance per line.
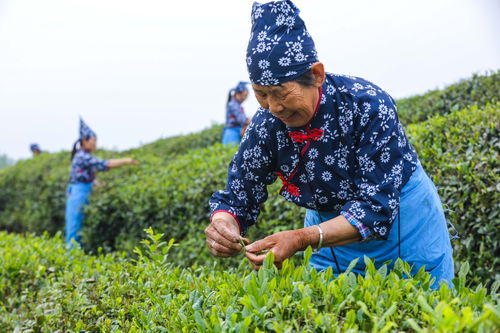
x=265 y=251
x=242 y=243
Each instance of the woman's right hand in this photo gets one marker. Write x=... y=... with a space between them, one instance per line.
x=223 y=236
x=131 y=161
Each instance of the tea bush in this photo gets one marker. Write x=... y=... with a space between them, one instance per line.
x=169 y=147
x=168 y=197
x=174 y=200
x=460 y=152
x=45 y=290
x=477 y=90
x=32 y=194
x=169 y=194
x=170 y=189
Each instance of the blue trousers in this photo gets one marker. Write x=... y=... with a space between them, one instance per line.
x=77 y=198
x=422 y=236
x=231 y=135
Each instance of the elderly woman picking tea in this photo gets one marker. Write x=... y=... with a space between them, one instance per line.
x=337 y=146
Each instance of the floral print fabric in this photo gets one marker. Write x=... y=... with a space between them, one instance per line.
x=84 y=165
x=85 y=131
x=354 y=157
x=280 y=47
x=235 y=114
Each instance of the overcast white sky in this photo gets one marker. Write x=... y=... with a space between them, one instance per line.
x=140 y=70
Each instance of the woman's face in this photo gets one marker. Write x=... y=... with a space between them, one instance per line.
x=241 y=96
x=291 y=102
x=90 y=144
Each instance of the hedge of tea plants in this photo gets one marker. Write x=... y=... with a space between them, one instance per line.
x=172 y=199
x=170 y=189
x=477 y=90
x=461 y=153
x=32 y=193
x=177 y=145
x=45 y=289
x=169 y=194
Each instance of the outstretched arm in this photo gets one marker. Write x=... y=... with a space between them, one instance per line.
x=121 y=161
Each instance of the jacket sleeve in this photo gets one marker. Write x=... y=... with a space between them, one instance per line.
x=380 y=153
x=249 y=173
x=95 y=163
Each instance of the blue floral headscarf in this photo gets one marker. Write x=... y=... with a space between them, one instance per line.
x=35 y=147
x=85 y=131
x=242 y=86
x=280 y=47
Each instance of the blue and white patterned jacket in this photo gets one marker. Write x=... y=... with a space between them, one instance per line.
x=235 y=114
x=84 y=165
x=353 y=158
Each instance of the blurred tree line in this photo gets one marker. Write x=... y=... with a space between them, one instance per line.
x=5 y=161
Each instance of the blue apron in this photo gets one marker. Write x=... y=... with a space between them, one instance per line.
x=231 y=135
x=424 y=238
x=77 y=197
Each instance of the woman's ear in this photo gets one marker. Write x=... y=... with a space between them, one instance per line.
x=318 y=71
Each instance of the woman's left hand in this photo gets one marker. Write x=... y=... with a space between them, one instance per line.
x=98 y=183
x=283 y=244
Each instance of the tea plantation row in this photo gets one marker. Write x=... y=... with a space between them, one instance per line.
x=173 y=199
x=459 y=151
x=169 y=191
x=477 y=90
x=32 y=193
x=43 y=289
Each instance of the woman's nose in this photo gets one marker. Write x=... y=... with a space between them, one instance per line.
x=275 y=106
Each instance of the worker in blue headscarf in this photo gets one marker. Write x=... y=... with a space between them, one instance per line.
x=82 y=177
x=337 y=145
x=35 y=149
x=236 y=120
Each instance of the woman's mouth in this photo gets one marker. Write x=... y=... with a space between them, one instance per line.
x=288 y=117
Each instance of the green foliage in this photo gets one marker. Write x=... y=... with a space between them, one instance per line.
x=169 y=194
x=170 y=189
x=44 y=289
x=173 y=199
x=460 y=152
x=166 y=148
x=478 y=90
x=32 y=194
